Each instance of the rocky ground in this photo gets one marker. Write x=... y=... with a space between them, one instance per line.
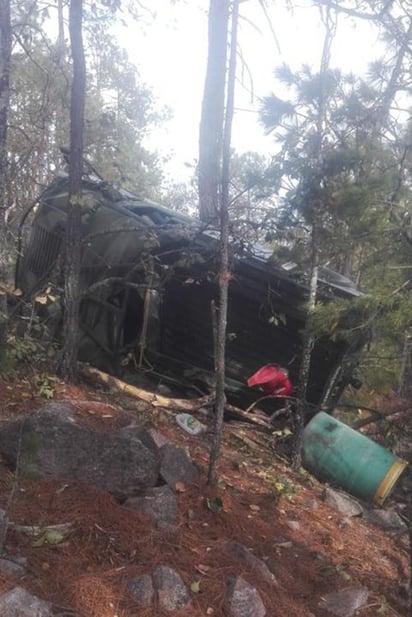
x=264 y=542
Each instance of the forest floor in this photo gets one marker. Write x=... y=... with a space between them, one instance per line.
x=311 y=548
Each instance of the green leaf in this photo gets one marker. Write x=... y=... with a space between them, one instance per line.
x=50 y=536
x=195 y=587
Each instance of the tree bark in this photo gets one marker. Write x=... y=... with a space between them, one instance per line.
x=308 y=344
x=213 y=106
x=308 y=337
x=72 y=240
x=224 y=274
x=5 y=60
x=60 y=42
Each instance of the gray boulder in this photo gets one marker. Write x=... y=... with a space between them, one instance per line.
x=386 y=519
x=13 y=567
x=241 y=553
x=172 y=593
x=345 y=603
x=176 y=466
x=160 y=503
x=20 y=603
x=49 y=443
x=343 y=503
x=141 y=588
x=243 y=600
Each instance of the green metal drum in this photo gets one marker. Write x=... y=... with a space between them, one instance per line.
x=336 y=453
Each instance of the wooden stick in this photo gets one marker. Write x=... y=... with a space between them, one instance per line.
x=250 y=417
x=251 y=443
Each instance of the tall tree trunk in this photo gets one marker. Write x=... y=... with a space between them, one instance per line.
x=224 y=274
x=213 y=106
x=72 y=244
x=5 y=58
x=317 y=207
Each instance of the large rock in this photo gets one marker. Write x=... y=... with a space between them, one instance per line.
x=160 y=503
x=13 y=567
x=141 y=588
x=241 y=553
x=49 y=443
x=164 y=589
x=386 y=519
x=343 y=503
x=171 y=591
x=176 y=466
x=345 y=603
x=20 y=603
x=243 y=600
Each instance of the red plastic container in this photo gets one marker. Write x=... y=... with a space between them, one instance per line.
x=272 y=378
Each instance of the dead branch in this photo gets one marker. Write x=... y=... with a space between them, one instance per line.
x=256 y=419
x=157 y=400
x=253 y=445
x=376 y=414
x=36 y=530
x=378 y=417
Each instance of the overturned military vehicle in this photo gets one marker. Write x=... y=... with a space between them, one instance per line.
x=149 y=278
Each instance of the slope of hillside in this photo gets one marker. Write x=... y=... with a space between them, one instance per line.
x=280 y=517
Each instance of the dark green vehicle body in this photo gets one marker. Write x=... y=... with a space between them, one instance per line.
x=148 y=278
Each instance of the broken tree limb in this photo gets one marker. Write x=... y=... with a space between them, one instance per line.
x=379 y=417
x=157 y=400
x=254 y=418
x=376 y=415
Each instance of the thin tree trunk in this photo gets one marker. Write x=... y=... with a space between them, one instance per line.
x=213 y=109
x=72 y=244
x=60 y=42
x=308 y=344
x=224 y=274
x=405 y=362
x=308 y=337
x=5 y=59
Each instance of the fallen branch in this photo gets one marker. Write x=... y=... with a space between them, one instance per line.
x=376 y=414
x=254 y=418
x=157 y=400
x=250 y=443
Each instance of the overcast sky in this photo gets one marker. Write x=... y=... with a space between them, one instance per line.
x=171 y=55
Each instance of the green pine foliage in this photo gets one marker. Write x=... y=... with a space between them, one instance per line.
x=359 y=191
x=120 y=109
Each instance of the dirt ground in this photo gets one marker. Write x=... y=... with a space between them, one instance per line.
x=311 y=549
